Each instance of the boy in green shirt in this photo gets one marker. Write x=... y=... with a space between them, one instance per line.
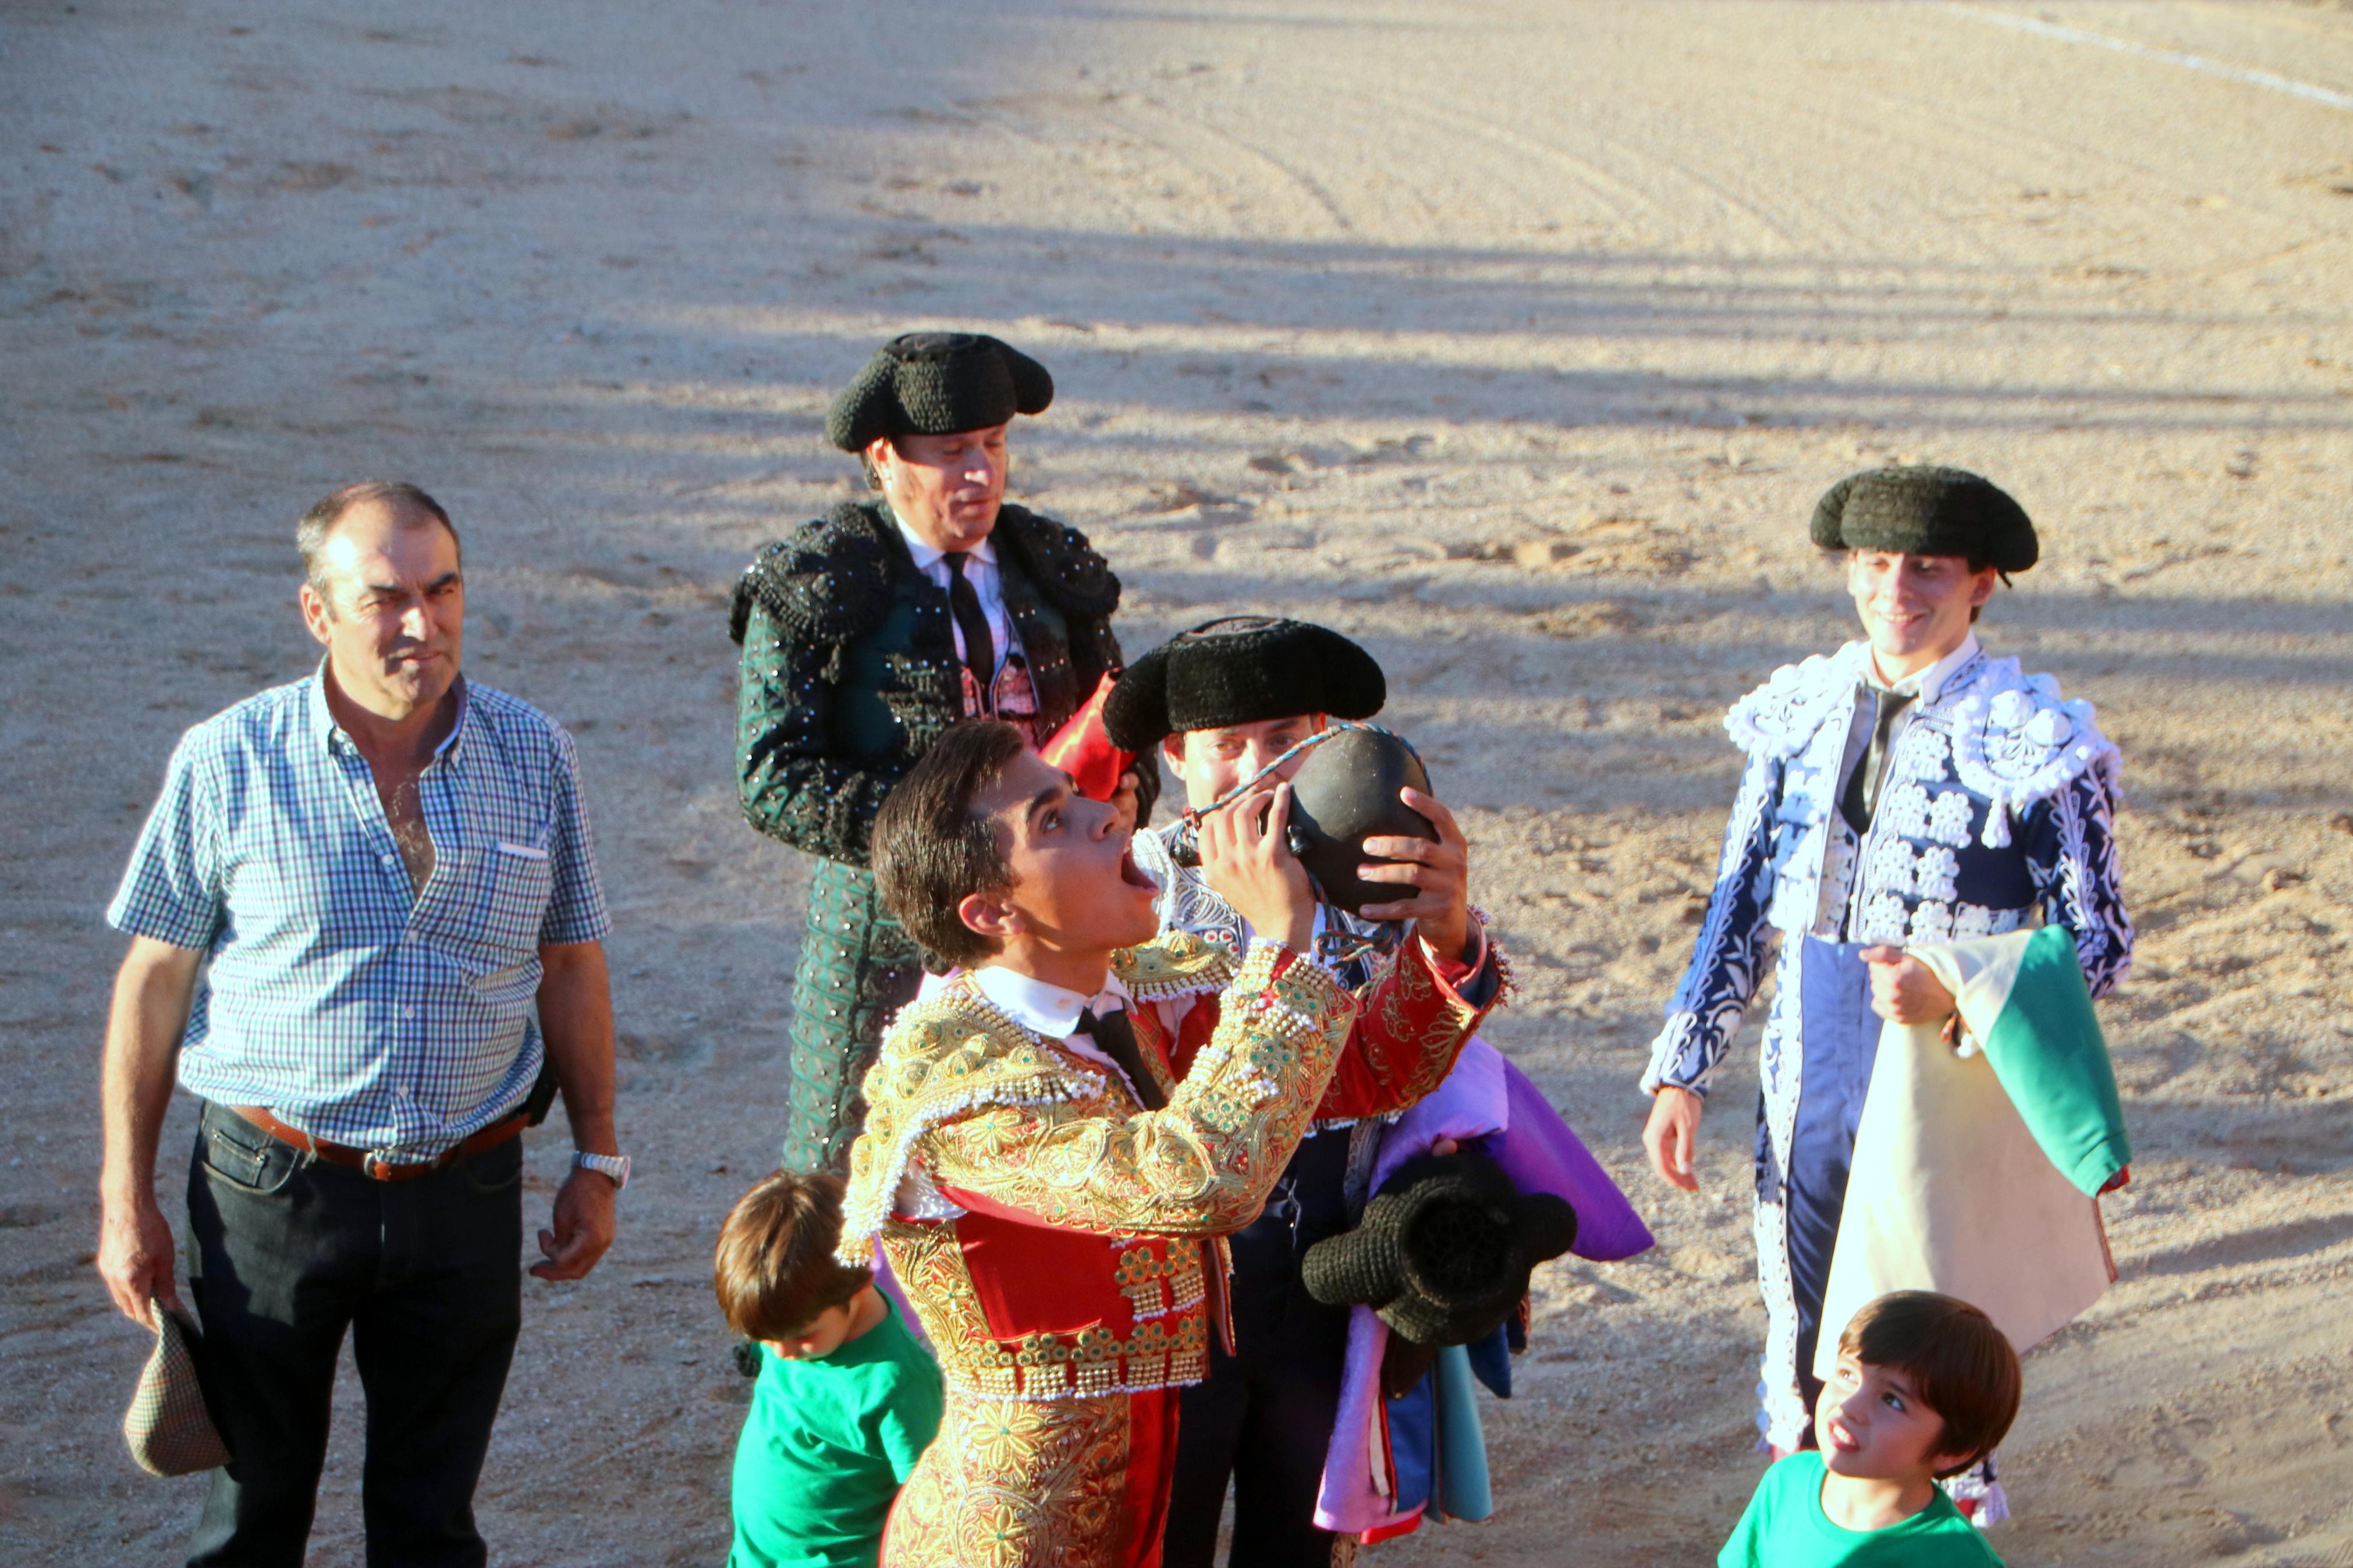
x=847 y=1400
x=1926 y=1387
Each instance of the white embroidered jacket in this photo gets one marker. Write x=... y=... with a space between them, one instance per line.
x=1997 y=811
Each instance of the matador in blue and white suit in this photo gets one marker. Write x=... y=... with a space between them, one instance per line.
x=1990 y=807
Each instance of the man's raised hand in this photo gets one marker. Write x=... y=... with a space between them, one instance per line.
x=1438 y=872
x=1247 y=860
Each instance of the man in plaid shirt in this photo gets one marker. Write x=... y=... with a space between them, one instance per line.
x=382 y=873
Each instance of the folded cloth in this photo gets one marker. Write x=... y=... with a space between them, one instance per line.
x=2022 y=997
x=1951 y=1189
x=1485 y=1096
x=168 y=1427
x=1436 y=1451
x=1083 y=748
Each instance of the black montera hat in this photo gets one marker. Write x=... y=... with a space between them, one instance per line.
x=936 y=384
x=1240 y=670
x=1925 y=511
x=1443 y=1253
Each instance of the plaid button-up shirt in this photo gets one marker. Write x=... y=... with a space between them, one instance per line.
x=353 y=1006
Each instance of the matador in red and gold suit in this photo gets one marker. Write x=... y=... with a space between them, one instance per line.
x=1057 y=1239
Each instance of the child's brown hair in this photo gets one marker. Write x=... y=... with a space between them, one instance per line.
x=775 y=1271
x=1960 y=1364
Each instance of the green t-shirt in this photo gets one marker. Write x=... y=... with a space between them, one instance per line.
x=1785 y=1527
x=826 y=1447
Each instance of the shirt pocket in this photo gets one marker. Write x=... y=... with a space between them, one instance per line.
x=521 y=881
x=506 y=898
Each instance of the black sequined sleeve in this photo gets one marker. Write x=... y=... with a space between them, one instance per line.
x=791 y=789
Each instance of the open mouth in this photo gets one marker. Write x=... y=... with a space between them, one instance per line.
x=1133 y=874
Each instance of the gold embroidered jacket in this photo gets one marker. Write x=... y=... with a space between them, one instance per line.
x=1051 y=1234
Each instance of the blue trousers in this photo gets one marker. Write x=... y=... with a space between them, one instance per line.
x=1839 y=1043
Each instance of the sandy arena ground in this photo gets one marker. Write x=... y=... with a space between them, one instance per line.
x=1515 y=337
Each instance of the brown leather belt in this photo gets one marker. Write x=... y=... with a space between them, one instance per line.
x=369 y=1164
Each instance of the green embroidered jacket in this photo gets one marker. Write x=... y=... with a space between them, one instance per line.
x=849 y=666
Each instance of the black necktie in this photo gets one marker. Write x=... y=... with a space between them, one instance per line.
x=1115 y=1035
x=1862 y=789
x=980 y=647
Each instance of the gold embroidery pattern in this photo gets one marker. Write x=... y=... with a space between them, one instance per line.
x=1157 y=1283
x=930 y=1267
x=1169 y=1348
x=988 y=1107
x=956 y=1053
x=942 y=1058
x=1199 y=1166
x=929 y=1263
x=1425 y=1022
x=1142 y=1275
x=1012 y=1485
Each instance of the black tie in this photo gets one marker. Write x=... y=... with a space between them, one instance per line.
x=1862 y=789
x=1115 y=1035
x=980 y=647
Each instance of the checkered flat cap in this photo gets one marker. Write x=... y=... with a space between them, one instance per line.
x=170 y=1431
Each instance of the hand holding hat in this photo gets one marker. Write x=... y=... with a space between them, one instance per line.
x=1377 y=842
x=168 y=1427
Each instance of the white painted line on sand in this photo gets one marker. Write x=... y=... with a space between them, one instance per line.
x=2328 y=96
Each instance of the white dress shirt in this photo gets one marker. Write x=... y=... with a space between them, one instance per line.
x=1924 y=686
x=980 y=571
x=1053 y=1011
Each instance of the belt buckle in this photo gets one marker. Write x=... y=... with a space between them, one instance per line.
x=377 y=1167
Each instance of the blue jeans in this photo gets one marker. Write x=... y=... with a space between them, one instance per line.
x=286 y=1253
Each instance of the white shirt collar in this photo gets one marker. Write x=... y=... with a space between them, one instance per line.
x=1050 y=1010
x=928 y=556
x=1927 y=684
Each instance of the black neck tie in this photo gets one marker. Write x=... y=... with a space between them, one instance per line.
x=1115 y=1035
x=1862 y=789
x=980 y=647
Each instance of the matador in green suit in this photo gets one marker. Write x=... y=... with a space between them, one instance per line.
x=870 y=630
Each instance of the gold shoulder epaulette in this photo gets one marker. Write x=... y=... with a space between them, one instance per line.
x=943 y=1058
x=1174 y=963
x=947 y=1042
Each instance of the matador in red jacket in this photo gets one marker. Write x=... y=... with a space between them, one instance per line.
x=1046 y=1185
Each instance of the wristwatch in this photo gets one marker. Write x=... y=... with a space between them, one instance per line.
x=613 y=1168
